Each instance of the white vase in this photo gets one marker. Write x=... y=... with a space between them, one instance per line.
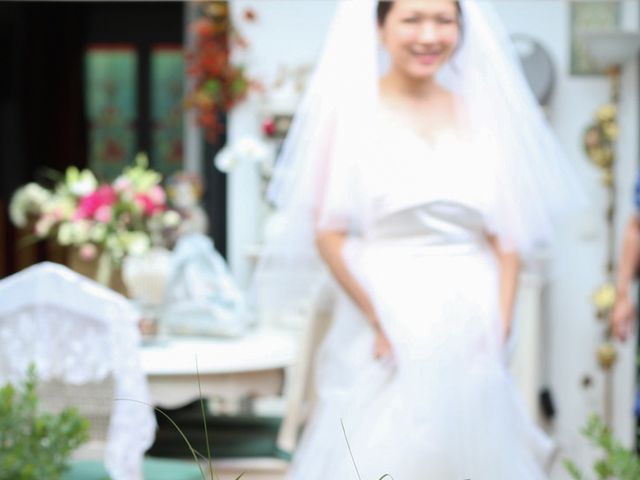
x=146 y=276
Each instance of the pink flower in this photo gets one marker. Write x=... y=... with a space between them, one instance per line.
x=145 y=203
x=122 y=184
x=153 y=201
x=88 y=252
x=57 y=214
x=157 y=195
x=43 y=225
x=89 y=204
x=104 y=213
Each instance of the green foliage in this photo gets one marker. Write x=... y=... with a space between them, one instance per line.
x=33 y=445
x=140 y=176
x=617 y=463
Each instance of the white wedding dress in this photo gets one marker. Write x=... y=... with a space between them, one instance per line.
x=445 y=408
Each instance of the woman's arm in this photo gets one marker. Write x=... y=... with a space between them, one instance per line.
x=509 y=266
x=330 y=244
x=623 y=313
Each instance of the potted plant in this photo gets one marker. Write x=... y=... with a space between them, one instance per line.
x=36 y=445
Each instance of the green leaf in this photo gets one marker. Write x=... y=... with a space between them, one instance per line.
x=212 y=87
x=616 y=461
x=35 y=445
x=572 y=469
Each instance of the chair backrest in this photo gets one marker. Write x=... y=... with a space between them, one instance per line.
x=93 y=401
x=300 y=391
x=77 y=332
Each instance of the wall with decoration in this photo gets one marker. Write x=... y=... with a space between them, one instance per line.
x=284 y=36
x=573 y=332
x=290 y=33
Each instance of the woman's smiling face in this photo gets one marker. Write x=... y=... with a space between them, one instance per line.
x=420 y=35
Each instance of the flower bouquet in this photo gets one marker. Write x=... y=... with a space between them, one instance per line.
x=103 y=221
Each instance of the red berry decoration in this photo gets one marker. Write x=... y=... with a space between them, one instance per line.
x=269 y=127
x=217 y=85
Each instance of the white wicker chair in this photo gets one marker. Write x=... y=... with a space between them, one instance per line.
x=79 y=333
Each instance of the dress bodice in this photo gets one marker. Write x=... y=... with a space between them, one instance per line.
x=435 y=226
x=425 y=192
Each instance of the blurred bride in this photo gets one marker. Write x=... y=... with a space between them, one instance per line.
x=419 y=170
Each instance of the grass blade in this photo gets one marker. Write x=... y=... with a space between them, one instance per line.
x=353 y=460
x=204 y=420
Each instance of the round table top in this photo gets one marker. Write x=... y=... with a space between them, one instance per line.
x=262 y=349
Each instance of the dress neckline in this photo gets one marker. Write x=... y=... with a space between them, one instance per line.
x=404 y=125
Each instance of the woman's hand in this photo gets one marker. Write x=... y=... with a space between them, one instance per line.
x=622 y=316
x=330 y=244
x=509 y=271
x=506 y=332
x=381 y=346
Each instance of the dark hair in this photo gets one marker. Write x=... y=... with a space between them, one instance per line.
x=384 y=7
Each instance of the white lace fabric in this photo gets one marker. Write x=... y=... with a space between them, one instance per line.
x=78 y=332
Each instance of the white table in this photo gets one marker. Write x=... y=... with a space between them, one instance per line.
x=253 y=365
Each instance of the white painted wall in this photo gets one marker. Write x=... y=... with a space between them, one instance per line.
x=287 y=33
x=291 y=33
x=573 y=333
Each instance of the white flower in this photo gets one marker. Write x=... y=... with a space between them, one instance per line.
x=246 y=149
x=81 y=183
x=251 y=149
x=31 y=198
x=74 y=233
x=80 y=231
x=17 y=211
x=65 y=234
x=98 y=232
x=37 y=194
x=122 y=184
x=226 y=160
x=136 y=243
x=114 y=245
x=171 y=219
x=61 y=207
